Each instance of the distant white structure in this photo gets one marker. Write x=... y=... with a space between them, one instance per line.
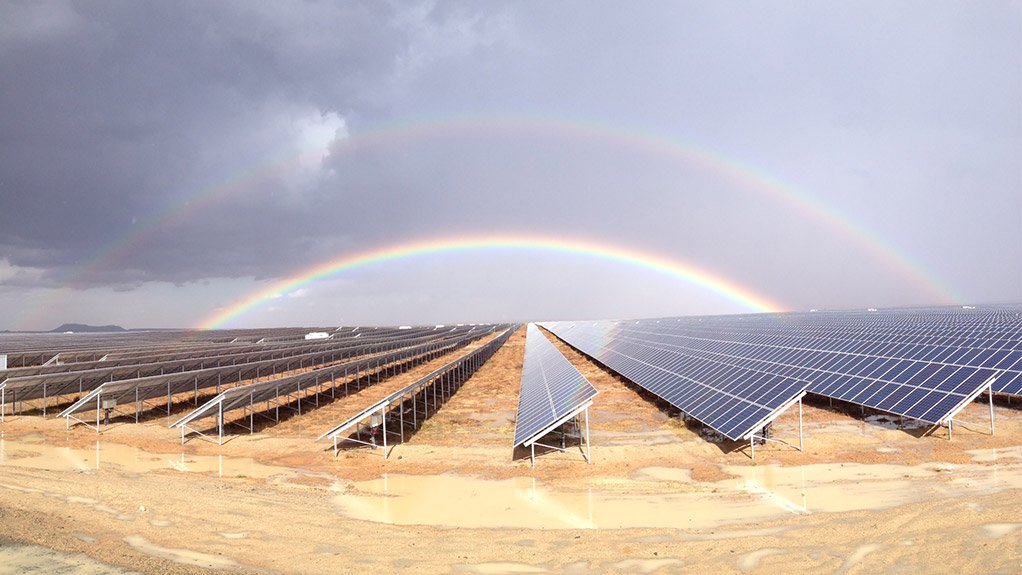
x=3 y=361
x=317 y=335
x=404 y=327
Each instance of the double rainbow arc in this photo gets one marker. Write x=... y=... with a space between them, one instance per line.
x=705 y=279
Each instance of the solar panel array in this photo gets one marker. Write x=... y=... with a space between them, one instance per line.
x=29 y=349
x=925 y=364
x=552 y=389
x=254 y=394
x=135 y=391
x=448 y=377
x=734 y=400
x=204 y=371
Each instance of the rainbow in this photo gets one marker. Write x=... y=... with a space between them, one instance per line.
x=671 y=267
x=746 y=177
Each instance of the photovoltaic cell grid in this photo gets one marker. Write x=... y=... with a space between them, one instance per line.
x=212 y=371
x=551 y=390
x=989 y=338
x=736 y=401
x=898 y=361
x=132 y=391
x=255 y=394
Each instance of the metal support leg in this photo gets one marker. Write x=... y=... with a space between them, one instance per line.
x=383 y=415
x=990 y=392
x=588 y=454
x=800 y=425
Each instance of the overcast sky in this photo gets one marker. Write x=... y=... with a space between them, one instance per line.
x=161 y=161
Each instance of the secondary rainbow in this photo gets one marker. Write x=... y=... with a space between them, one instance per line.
x=930 y=289
x=384 y=139
x=705 y=279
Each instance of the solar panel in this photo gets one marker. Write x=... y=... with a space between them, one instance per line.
x=552 y=390
x=923 y=364
x=734 y=400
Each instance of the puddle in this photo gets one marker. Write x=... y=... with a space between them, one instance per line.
x=240 y=535
x=832 y=487
x=755 y=493
x=895 y=422
x=184 y=556
x=523 y=502
x=32 y=455
x=19 y=559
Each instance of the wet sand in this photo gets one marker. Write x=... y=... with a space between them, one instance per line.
x=866 y=496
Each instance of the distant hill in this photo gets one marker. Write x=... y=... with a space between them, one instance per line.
x=83 y=328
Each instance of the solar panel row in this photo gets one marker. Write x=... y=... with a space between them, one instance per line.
x=442 y=382
x=27 y=349
x=983 y=339
x=136 y=391
x=924 y=364
x=552 y=390
x=734 y=400
x=205 y=372
x=249 y=396
x=926 y=391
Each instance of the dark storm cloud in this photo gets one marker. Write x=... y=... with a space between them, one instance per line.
x=904 y=119
x=120 y=112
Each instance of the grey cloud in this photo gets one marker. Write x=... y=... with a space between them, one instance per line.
x=902 y=119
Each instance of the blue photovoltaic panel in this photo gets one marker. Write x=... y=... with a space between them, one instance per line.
x=734 y=400
x=551 y=389
x=925 y=364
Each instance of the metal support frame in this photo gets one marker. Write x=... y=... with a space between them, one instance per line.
x=753 y=436
x=989 y=388
x=534 y=440
x=439 y=388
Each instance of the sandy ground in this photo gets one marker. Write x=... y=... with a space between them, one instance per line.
x=867 y=495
